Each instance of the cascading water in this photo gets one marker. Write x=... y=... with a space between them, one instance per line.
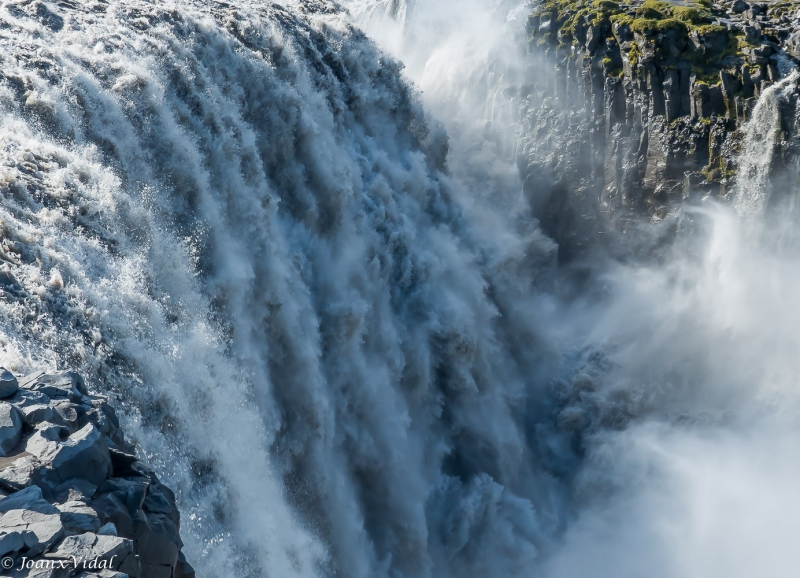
x=331 y=331
x=467 y=61
x=679 y=385
x=238 y=220
x=763 y=135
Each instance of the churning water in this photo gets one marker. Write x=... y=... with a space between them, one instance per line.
x=335 y=330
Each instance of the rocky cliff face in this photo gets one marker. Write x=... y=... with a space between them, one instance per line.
x=75 y=499
x=638 y=106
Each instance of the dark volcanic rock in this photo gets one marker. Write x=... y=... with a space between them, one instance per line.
x=74 y=491
x=10 y=427
x=637 y=107
x=8 y=383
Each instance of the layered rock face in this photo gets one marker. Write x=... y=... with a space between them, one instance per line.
x=76 y=500
x=638 y=106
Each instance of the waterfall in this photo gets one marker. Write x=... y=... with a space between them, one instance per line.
x=239 y=222
x=296 y=255
x=763 y=133
x=398 y=11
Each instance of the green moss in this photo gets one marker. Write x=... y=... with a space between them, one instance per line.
x=616 y=73
x=731 y=48
x=698 y=13
x=734 y=48
x=691 y=14
x=717 y=168
x=671 y=24
x=633 y=56
x=642 y=25
x=705 y=76
x=607 y=5
x=622 y=18
x=652 y=9
x=648 y=25
x=708 y=29
x=607 y=62
x=570 y=19
x=573 y=22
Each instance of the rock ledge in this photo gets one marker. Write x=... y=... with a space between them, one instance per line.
x=74 y=499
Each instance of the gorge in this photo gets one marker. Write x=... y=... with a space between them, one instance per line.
x=395 y=289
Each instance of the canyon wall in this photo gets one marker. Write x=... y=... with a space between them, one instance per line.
x=638 y=107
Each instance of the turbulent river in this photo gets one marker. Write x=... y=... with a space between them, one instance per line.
x=307 y=276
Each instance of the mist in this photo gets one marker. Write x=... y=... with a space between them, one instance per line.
x=678 y=373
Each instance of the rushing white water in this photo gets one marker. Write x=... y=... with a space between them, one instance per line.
x=335 y=334
x=237 y=219
x=764 y=134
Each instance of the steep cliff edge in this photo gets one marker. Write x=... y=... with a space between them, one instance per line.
x=638 y=106
x=74 y=499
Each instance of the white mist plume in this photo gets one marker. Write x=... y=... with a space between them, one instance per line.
x=690 y=409
x=467 y=59
x=682 y=390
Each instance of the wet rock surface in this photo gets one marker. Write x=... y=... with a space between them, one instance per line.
x=642 y=104
x=76 y=501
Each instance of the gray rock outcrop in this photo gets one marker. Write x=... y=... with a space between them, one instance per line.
x=74 y=499
x=8 y=383
x=10 y=427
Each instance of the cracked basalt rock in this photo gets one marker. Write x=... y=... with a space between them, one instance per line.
x=637 y=106
x=71 y=488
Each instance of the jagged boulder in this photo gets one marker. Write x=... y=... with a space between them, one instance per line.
x=39 y=531
x=35 y=520
x=78 y=517
x=71 y=488
x=99 y=553
x=8 y=383
x=10 y=427
x=74 y=490
x=83 y=454
x=709 y=41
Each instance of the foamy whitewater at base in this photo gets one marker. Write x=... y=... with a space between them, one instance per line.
x=342 y=344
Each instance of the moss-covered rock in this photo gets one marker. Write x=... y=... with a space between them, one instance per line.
x=666 y=87
x=697 y=36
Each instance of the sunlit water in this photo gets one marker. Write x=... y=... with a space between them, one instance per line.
x=340 y=336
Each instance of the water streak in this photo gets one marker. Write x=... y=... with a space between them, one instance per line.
x=763 y=135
